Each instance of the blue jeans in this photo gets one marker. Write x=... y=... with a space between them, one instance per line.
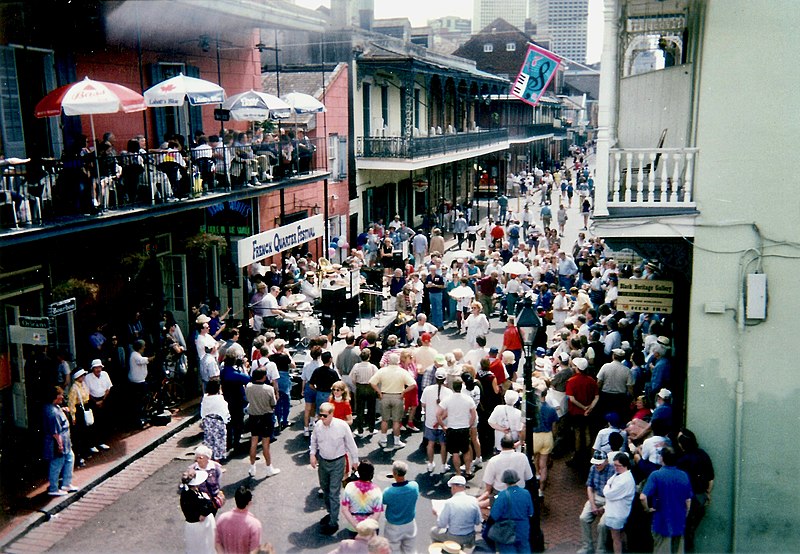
x=437 y=315
x=61 y=467
x=282 y=408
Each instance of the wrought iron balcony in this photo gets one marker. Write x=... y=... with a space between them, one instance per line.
x=531 y=131
x=40 y=196
x=652 y=177
x=425 y=147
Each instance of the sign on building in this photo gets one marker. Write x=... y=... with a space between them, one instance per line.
x=642 y=295
x=62 y=307
x=536 y=73
x=274 y=241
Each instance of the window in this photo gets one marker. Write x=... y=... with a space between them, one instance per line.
x=365 y=99
x=511 y=46
x=385 y=105
x=488 y=47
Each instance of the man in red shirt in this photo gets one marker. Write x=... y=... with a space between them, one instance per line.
x=486 y=289
x=239 y=531
x=496 y=366
x=497 y=234
x=583 y=395
x=512 y=341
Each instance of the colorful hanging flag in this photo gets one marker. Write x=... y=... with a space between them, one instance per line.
x=536 y=73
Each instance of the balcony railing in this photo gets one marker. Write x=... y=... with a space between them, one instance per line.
x=45 y=191
x=529 y=131
x=421 y=147
x=662 y=177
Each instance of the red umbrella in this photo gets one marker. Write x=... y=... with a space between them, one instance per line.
x=90 y=97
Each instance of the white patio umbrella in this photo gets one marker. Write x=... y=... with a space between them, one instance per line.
x=254 y=105
x=303 y=103
x=175 y=91
x=515 y=268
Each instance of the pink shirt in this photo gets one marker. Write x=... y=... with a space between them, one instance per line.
x=238 y=532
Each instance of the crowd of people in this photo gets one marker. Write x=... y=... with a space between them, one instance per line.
x=602 y=378
x=89 y=174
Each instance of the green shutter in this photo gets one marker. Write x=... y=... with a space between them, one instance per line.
x=11 y=130
x=159 y=114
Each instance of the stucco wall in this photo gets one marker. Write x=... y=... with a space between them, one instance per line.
x=747 y=124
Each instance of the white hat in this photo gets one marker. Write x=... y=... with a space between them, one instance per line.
x=564 y=357
x=662 y=340
x=511 y=397
x=581 y=363
x=79 y=373
x=96 y=362
x=441 y=373
x=457 y=480
x=344 y=330
x=202 y=318
x=666 y=394
x=200 y=477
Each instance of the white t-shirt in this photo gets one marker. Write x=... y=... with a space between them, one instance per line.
x=428 y=400
x=458 y=409
x=97 y=385
x=137 y=368
x=506 y=417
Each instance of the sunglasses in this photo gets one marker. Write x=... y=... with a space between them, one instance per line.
x=325 y=416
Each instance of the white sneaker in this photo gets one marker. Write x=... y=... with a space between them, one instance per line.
x=398 y=443
x=94 y=450
x=431 y=467
x=382 y=442
x=252 y=471
x=446 y=468
x=59 y=492
x=103 y=446
x=478 y=463
x=272 y=471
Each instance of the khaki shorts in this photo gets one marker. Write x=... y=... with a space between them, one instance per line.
x=542 y=443
x=392 y=407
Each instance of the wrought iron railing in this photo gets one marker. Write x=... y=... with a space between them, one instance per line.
x=530 y=130
x=39 y=191
x=434 y=145
x=650 y=176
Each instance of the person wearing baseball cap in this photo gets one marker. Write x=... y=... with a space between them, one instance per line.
x=459 y=516
x=582 y=396
x=432 y=396
x=99 y=384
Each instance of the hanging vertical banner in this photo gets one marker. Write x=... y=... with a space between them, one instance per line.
x=536 y=73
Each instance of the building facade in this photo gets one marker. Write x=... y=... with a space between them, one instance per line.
x=486 y=11
x=670 y=157
x=564 y=23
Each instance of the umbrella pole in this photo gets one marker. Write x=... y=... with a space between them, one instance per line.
x=96 y=162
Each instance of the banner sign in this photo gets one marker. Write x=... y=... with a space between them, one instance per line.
x=642 y=295
x=536 y=73
x=269 y=243
x=34 y=322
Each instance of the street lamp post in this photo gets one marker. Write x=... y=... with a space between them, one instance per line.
x=528 y=323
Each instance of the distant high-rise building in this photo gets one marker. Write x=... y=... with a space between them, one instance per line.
x=486 y=11
x=564 y=23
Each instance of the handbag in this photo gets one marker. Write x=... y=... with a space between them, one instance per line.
x=88 y=414
x=503 y=531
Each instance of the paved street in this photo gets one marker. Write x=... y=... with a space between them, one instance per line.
x=137 y=510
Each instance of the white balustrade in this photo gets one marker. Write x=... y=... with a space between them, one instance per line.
x=655 y=177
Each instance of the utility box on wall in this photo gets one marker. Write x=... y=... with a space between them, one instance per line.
x=756 y=307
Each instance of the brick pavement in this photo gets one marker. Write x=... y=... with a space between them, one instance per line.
x=48 y=534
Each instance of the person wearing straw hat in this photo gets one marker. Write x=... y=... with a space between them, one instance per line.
x=447 y=547
x=99 y=384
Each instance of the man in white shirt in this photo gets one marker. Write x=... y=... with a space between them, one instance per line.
x=474 y=356
x=431 y=398
x=419 y=328
x=331 y=440
x=99 y=384
x=137 y=375
x=459 y=516
x=204 y=339
x=508 y=458
x=456 y=415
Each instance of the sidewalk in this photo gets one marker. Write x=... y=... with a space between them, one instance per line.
x=36 y=507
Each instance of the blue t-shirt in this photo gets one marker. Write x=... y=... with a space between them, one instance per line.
x=401 y=502
x=667 y=491
x=547 y=417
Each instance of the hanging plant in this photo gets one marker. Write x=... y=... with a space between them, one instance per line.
x=132 y=263
x=81 y=289
x=201 y=243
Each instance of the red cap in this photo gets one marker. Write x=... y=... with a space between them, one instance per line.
x=426 y=337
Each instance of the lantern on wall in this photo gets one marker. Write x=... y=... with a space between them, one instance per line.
x=420 y=185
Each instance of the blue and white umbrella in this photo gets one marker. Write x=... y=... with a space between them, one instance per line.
x=254 y=105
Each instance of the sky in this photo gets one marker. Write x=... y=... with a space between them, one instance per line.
x=420 y=11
